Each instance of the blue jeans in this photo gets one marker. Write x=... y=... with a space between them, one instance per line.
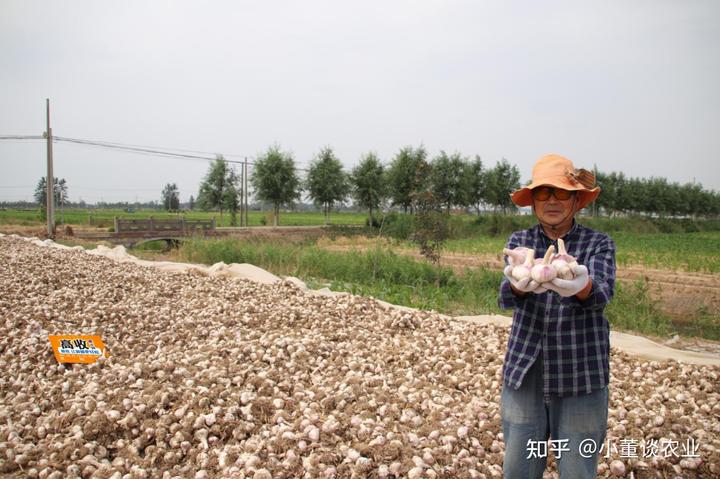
x=527 y=416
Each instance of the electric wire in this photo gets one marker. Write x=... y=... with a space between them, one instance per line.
x=144 y=150
x=21 y=137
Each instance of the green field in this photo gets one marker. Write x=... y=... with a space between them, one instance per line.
x=639 y=242
x=399 y=279
x=105 y=218
x=695 y=252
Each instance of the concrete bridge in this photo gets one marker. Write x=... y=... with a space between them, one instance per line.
x=134 y=232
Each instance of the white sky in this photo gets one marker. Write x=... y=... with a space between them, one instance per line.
x=630 y=86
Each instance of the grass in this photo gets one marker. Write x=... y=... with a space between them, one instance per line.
x=396 y=224
x=159 y=245
x=380 y=273
x=398 y=279
x=309 y=260
x=684 y=251
x=105 y=218
x=696 y=252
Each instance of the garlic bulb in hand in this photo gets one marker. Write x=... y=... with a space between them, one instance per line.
x=563 y=263
x=544 y=271
x=522 y=271
x=516 y=256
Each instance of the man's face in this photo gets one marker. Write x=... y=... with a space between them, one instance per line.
x=553 y=210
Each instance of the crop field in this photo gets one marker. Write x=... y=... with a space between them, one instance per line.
x=693 y=252
x=104 y=218
x=209 y=376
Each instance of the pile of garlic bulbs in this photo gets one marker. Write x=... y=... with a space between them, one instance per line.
x=213 y=377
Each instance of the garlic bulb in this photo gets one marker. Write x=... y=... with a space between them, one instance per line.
x=563 y=263
x=517 y=255
x=522 y=271
x=544 y=271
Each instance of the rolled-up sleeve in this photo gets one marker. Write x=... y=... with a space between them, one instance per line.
x=601 y=269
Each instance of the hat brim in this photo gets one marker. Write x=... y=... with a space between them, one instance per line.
x=523 y=196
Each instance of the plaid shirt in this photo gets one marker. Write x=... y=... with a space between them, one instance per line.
x=572 y=335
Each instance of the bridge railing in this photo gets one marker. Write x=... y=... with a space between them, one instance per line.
x=153 y=225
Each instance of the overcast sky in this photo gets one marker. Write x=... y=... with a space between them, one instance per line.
x=630 y=86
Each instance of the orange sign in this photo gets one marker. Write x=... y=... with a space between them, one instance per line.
x=76 y=348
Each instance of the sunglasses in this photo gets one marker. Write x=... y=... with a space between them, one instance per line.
x=543 y=193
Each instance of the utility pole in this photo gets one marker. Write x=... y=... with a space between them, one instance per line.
x=242 y=196
x=50 y=179
x=245 y=195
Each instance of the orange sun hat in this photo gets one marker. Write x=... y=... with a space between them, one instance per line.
x=558 y=171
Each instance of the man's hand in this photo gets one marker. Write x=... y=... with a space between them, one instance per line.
x=570 y=287
x=526 y=285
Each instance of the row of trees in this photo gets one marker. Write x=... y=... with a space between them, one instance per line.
x=170 y=197
x=654 y=196
x=454 y=180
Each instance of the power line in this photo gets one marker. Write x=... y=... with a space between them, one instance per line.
x=160 y=152
x=103 y=142
x=134 y=149
x=113 y=189
x=143 y=150
x=21 y=137
x=157 y=151
x=76 y=187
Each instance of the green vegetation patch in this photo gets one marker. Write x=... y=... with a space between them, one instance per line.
x=696 y=252
x=397 y=279
x=104 y=218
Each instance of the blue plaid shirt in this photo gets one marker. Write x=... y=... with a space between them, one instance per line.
x=572 y=335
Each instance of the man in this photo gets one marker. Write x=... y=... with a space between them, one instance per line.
x=556 y=370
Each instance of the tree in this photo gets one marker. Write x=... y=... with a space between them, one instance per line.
x=60 y=190
x=402 y=178
x=213 y=189
x=171 y=197
x=191 y=203
x=502 y=180
x=275 y=180
x=369 y=186
x=327 y=183
x=446 y=179
x=431 y=224
x=634 y=201
x=474 y=183
x=231 y=196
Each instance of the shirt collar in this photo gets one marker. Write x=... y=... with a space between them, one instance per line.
x=571 y=232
